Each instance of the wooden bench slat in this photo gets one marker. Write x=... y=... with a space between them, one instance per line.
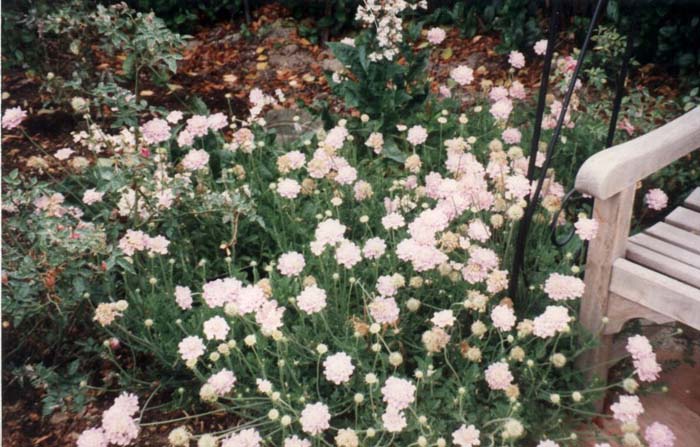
x=676 y=236
x=693 y=200
x=656 y=291
x=669 y=250
x=662 y=264
x=685 y=219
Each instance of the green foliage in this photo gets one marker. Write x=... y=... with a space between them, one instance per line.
x=186 y=16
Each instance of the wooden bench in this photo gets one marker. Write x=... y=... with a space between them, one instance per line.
x=654 y=274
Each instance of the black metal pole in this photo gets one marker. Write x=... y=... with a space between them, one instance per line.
x=620 y=81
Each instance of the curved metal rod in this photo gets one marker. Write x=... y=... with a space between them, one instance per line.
x=555 y=218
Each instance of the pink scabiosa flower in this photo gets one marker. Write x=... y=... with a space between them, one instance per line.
x=374 y=248
x=348 y=254
x=384 y=310
x=517 y=90
x=296 y=441
x=393 y=221
x=436 y=35
x=13 y=117
x=288 y=188
x=586 y=228
x=183 y=297
x=197 y=126
x=93 y=437
x=195 y=160
x=64 y=154
x=498 y=376
x=376 y=142
x=216 y=328
x=155 y=131
x=291 y=263
x=191 y=348
x=417 y=135
x=119 y=426
x=398 y=393
x=312 y=300
x=643 y=358
x=92 y=196
x=626 y=125
x=511 y=136
x=540 y=47
x=338 y=368
x=517 y=187
x=393 y=420
x=174 y=117
x=244 y=438
x=462 y=75
x=157 y=245
x=184 y=138
x=363 y=190
x=503 y=317
x=466 y=436
x=346 y=175
x=516 y=59
x=133 y=241
x=659 y=435
x=563 y=287
x=501 y=109
x=656 y=199
x=554 y=319
x=336 y=137
x=249 y=299
x=269 y=317
x=315 y=418
x=627 y=409
x=219 y=292
x=639 y=346
x=443 y=318
x=547 y=443
x=222 y=382
x=497 y=93
x=330 y=232
x=217 y=121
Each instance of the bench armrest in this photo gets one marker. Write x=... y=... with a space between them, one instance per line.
x=612 y=170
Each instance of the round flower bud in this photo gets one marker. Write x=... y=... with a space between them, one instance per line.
x=273 y=414
x=422 y=442
x=148 y=322
x=396 y=359
x=374 y=328
x=422 y=420
x=441 y=442
x=207 y=440
x=555 y=398
x=321 y=348
x=214 y=356
x=371 y=433
x=513 y=429
x=576 y=396
x=630 y=385
x=413 y=304
x=418 y=374
x=359 y=398
x=370 y=379
x=558 y=360
x=121 y=305
x=285 y=420
x=250 y=340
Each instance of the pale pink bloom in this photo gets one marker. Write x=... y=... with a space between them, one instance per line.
x=269 y=317
x=312 y=300
x=336 y=137
x=625 y=125
x=417 y=135
x=435 y=340
x=517 y=187
x=647 y=368
x=222 y=382
x=174 y=117
x=245 y=438
x=436 y=35
x=155 y=131
x=191 y=348
x=374 y=248
x=517 y=90
x=497 y=93
x=554 y=319
x=219 y=292
x=638 y=346
x=93 y=437
x=183 y=297
x=264 y=386
x=503 y=317
x=386 y=286
x=362 y=190
x=516 y=59
x=165 y=198
x=348 y=254
x=330 y=231
x=216 y=328
x=119 y=426
x=13 y=117
x=511 y=135
x=586 y=228
x=296 y=159
x=422 y=257
x=398 y=393
x=245 y=139
x=393 y=420
x=659 y=435
x=384 y=310
x=498 y=376
x=249 y=299
x=338 y=368
x=64 y=154
x=478 y=230
x=443 y=318
x=393 y=221
x=346 y=175
x=315 y=418
x=501 y=109
x=462 y=75
x=133 y=241
x=157 y=245
x=466 y=436
x=563 y=287
x=291 y=263
x=195 y=160
x=540 y=47
x=128 y=402
x=197 y=126
x=92 y=196
x=656 y=199
x=185 y=138
x=217 y=121
x=627 y=409
x=445 y=91
x=295 y=441
x=547 y=443
x=347 y=41
x=376 y=142
x=288 y=188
